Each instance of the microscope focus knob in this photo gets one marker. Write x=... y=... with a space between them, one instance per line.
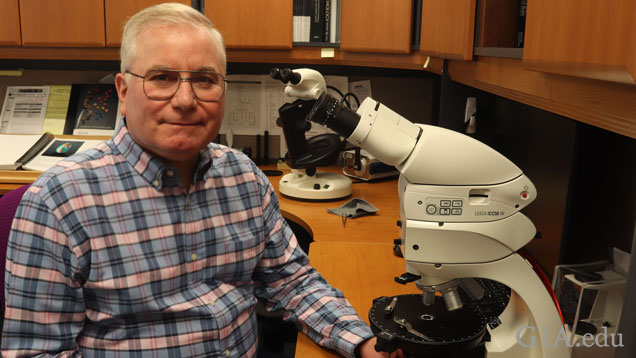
x=386 y=342
x=406 y=278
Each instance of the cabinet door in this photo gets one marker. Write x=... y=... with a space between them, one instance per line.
x=118 y=12
x=448 y=28
x=376 y=26
x=252 y=23
x=585 y=38
x=68 y=23
x=10 y=24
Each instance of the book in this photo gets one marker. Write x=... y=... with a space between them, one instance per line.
x=327 y=26
x=38 y=152
x=18 y=149
x=317 y=28
x=301 y=20
x=520 y=25
x=334 y=15
x=93 y=109
x=57 y=150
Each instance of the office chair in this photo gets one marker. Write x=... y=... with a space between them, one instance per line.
x=8 y=205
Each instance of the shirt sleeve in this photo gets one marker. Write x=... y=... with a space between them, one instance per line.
x=287 y=282
x=44 y=309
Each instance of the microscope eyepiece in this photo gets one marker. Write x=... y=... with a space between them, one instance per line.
x=290 y=76
x=331 y=113
x=286 y=75
x=275 y=74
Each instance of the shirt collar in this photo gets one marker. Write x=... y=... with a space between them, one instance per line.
x=153 y=170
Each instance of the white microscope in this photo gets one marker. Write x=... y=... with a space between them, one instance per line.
x=460 y=204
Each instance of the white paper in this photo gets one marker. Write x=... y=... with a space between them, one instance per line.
x=244 y=105
x=43 y=162
x=23 y=110
x=275 y=98
x=362 y=90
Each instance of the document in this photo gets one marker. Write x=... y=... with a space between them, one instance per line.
x=23 y=110
x=56 y=109
x=244 y=100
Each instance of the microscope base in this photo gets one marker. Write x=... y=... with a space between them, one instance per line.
x=321 y=186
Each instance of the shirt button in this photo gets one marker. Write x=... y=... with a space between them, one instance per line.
x=170 y=172
x=194 y=257
x=227 y=353
x=212 y=303
x=156 y=183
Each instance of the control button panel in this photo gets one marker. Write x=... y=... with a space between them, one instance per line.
x=444 y=207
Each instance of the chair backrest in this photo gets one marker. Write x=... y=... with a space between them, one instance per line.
x=8 y=205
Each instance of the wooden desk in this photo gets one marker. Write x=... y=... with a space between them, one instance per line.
x=362 y=271
x=13 y=179
x=379 y=227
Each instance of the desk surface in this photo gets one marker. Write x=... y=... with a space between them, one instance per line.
x=379 y=227
x=362 y=271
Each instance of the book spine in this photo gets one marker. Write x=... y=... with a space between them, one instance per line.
x=333 y=21
x=317 y=28
x=297 y=16
x=338 y=20
x=44 y=140
x=417 y=24
x=520 y=26
x=305 y=20
x=327 y=26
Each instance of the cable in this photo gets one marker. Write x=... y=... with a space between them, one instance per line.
x=344 y=96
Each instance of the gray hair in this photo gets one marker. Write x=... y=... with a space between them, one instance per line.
x=165 y=14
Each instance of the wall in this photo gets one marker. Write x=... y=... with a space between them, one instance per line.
x=602 y=200
x=538 y=142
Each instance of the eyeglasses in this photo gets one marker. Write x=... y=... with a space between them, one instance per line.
x=161 y=85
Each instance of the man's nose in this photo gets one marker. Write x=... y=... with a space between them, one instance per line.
x=184 y=98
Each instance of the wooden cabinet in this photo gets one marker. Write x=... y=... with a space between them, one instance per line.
x=585 y=38
x=253 y=24
x=448 y=28
x=380 y=26
x=66 y=23
x=10 y=24
x=118 y=12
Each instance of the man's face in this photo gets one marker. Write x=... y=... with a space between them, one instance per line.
x=176 y=129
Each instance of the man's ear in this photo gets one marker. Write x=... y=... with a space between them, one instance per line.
x=122 y=88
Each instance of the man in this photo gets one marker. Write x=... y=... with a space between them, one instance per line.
x=157 y=243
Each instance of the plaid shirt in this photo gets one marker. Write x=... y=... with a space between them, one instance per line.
x=109 y=256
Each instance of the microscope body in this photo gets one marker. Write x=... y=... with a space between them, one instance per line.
x=460 y=203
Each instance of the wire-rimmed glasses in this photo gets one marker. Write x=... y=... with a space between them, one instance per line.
x=161 y=85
